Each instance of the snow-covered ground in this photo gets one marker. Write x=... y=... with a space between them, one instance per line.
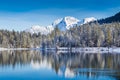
x=78 y=49
x=3 y=49
x=91 y=50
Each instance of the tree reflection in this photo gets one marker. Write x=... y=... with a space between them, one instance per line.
x=68 y=65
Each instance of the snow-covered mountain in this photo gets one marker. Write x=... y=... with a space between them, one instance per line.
x=69 y=22
x=65 y=23
x=62 y=23
x=42 y=29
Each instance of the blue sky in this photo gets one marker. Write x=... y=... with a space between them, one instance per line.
x=22 y=14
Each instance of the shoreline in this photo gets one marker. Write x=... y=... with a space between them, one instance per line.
x=73 y=49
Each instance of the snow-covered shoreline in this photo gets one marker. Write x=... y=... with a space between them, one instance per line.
x=73 y=49
x=91 y=49
x=4 y=49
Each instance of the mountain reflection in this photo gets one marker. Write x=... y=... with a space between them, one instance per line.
x=65 y=64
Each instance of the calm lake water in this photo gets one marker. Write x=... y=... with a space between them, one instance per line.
x=36 y=65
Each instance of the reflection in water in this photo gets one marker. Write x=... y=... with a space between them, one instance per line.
x=40 y=65
x=70 y=65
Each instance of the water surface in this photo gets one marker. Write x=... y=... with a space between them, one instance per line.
x=37 y=65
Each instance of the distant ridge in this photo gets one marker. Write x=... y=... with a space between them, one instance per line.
x=115 y=18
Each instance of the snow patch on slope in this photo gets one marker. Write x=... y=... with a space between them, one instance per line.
x=87 y=20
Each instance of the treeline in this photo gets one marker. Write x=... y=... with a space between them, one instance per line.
x=13 y=39
x=87 y=35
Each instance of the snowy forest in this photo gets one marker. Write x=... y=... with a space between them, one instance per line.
x=87 y=35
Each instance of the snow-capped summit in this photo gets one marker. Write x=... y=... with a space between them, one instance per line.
x=56 y=22
x=90 y=19
x=65 y=23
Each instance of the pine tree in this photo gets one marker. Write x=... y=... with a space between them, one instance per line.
x=109 y=37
